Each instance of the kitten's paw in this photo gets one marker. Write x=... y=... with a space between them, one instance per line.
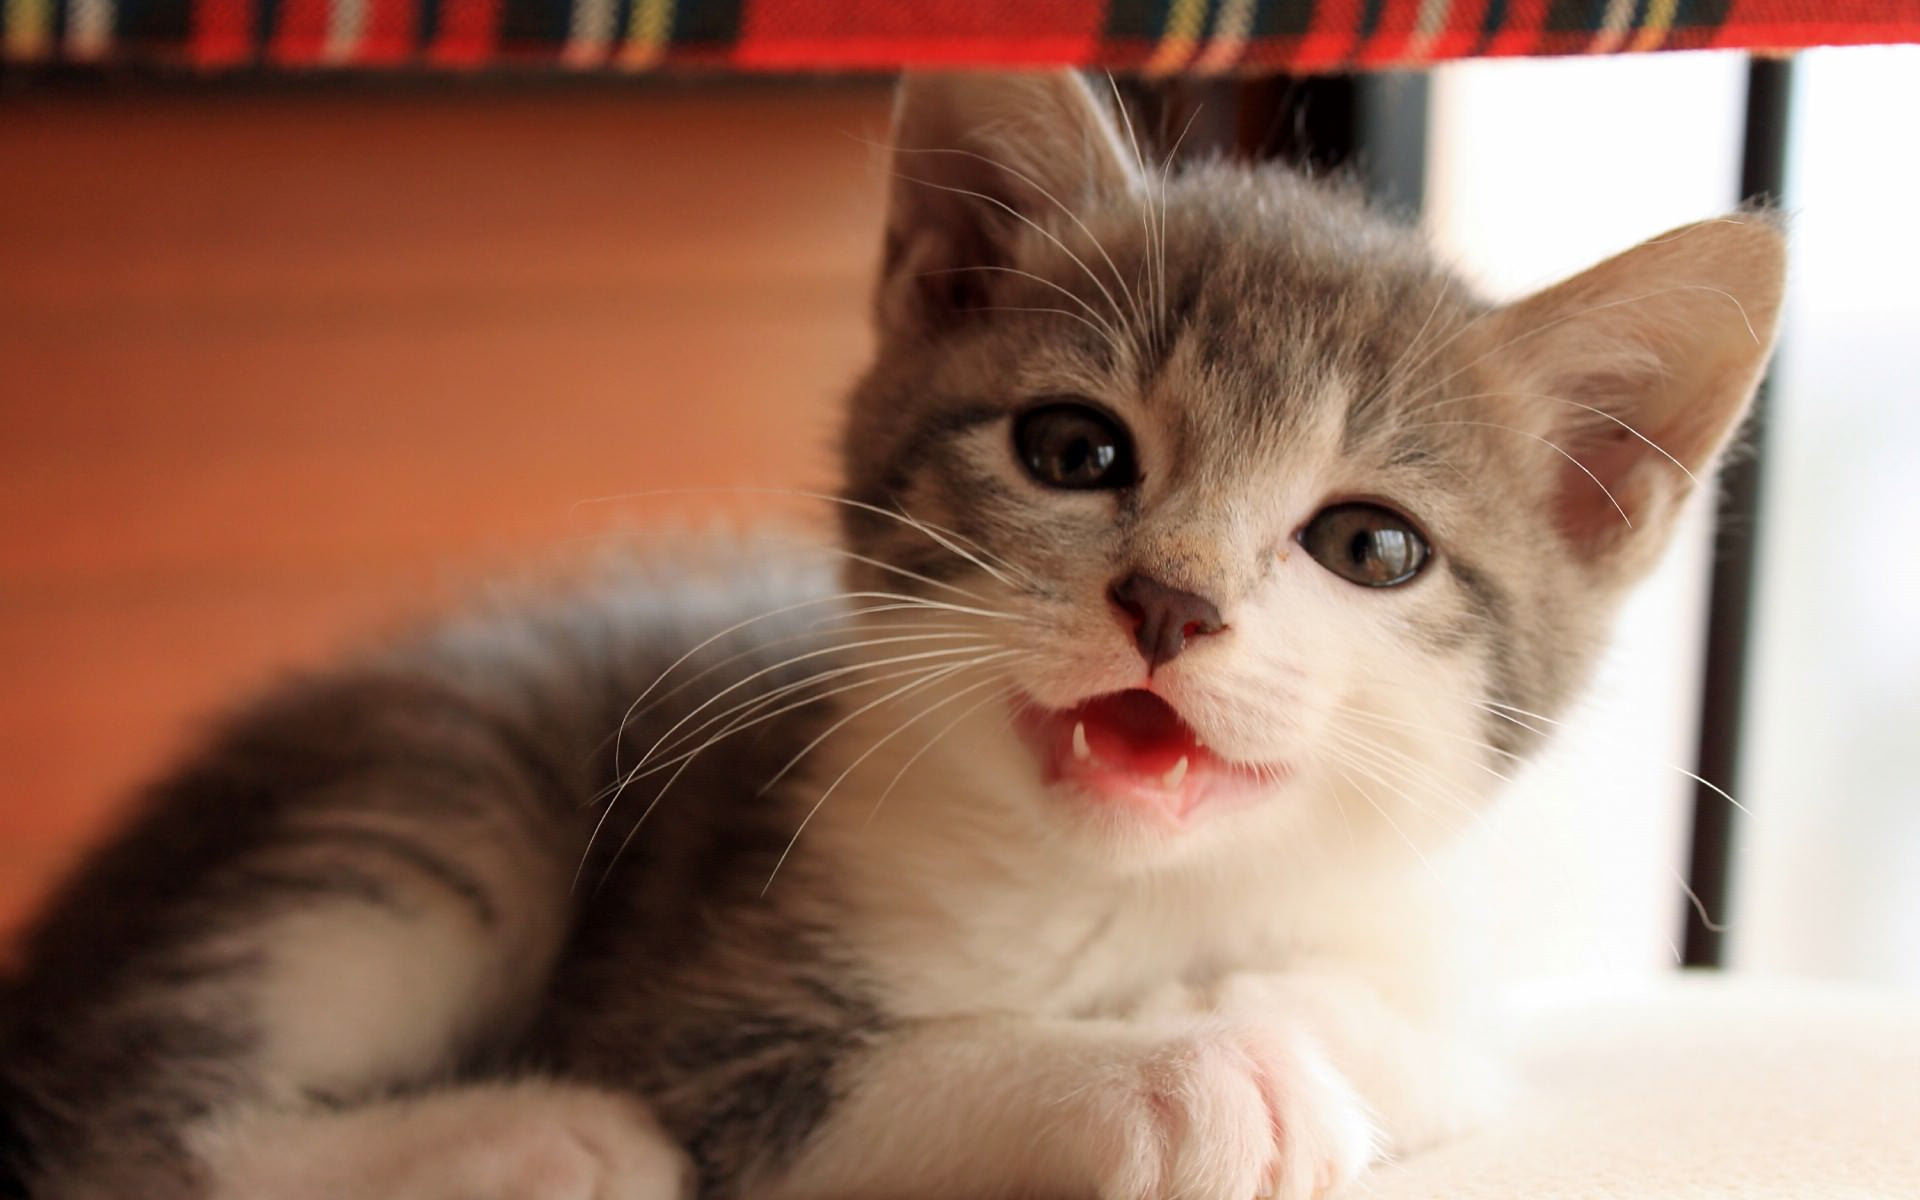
x=574 y=1144
x=523 y=1141
x=1230 y=1114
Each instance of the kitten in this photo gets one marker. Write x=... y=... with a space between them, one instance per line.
x=1207 y=550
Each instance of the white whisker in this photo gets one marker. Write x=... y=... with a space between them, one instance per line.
x=758 y=711
x=1372 y=769
x=736 y=627
x=1037 y=308
x=815 y=630
x=1023 y=177
x=1115 y=338
x=1494 y=707
x=1030 y=223
x=1407 y=770
x=830 y=730
x=1439 y=347
x=1480 y=743
x=855 y=764
x=681 y=760
x=1156 y=302
x=798 y=658
x=944 y=730
x=1160 y=251
x=916 y=576
x=860 y=614
x=1368 y=797
x=1598 y=412
x=748 y=713
x=1604 y=306
x=924 y=527
x=1391 y=377
x=1699 y=906
x=838 y=647
x=950 y=540
x=1550 y=444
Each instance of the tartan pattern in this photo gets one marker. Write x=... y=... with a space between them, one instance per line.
x=1152 y=36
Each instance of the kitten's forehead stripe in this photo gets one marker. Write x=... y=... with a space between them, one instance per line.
x=1263 y=315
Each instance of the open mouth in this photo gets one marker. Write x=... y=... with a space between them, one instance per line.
x=1132 y=750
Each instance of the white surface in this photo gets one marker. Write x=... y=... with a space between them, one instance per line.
x=1707 y=1089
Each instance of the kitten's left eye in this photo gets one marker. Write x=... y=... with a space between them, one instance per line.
x=1365 y=544
x=1077 y=446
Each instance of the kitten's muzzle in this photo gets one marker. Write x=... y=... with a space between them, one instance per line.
x=1164 y=618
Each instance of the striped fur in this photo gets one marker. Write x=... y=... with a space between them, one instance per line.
x=732 y=872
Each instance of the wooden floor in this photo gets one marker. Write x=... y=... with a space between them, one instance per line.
x=276 y=368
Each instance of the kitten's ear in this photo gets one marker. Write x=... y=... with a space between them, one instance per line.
x=1640 y=369
x=974 y=159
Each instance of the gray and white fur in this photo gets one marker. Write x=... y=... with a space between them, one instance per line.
x=430 y=925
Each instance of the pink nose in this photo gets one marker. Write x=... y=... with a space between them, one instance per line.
x=1163 y=617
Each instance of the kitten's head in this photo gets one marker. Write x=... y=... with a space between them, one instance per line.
x=1257 y=513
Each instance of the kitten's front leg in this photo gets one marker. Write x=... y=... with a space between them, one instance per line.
x=1201 y=1109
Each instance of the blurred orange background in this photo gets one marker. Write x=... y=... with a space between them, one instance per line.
x=280 y=365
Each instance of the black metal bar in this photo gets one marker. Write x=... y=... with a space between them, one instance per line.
x=1730 y=606
x=1391 y=135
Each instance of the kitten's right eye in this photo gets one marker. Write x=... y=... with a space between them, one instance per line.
x=1067 y=445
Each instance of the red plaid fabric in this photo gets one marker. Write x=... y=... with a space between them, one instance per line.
x=1156 y=36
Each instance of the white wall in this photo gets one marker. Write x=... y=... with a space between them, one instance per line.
x=1537 y=169
x=1830 y=866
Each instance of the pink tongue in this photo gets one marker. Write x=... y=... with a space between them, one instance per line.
x=1136 y=731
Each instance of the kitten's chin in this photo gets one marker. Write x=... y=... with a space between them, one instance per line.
x=1130 y=757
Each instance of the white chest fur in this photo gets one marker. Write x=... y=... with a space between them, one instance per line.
x=964 y=898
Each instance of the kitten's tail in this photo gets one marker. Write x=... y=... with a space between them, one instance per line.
x=15 y=1155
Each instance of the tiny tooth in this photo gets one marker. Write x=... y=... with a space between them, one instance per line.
x=1175 y=774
